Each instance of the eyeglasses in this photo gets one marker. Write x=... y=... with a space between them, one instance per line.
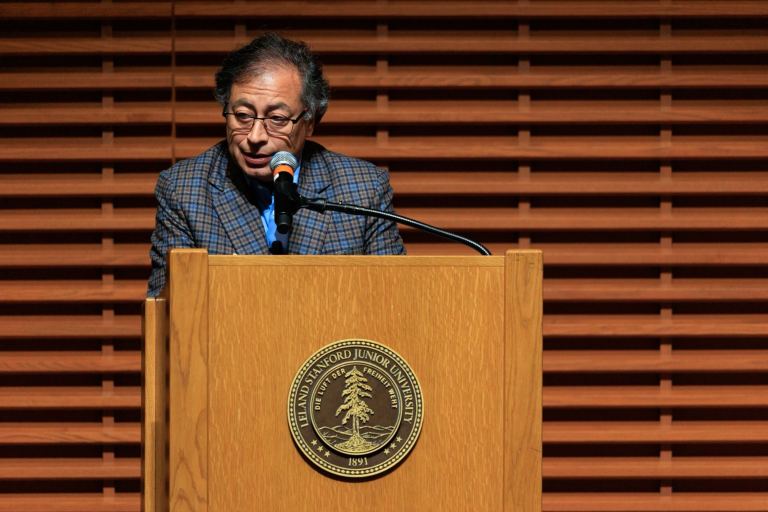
x=242 y=122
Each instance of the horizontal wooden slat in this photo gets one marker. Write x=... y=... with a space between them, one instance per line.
x=652 y=467
x=476 y=181
x=74 y=255
x=74 y=326
x=69 y=397
x=481 y=9
x=636 y=255
x=682 y=432
x=655 y=396
x=160 y=78
x=453 y=42
x=130 y=219
x=77 y=185
x=73 y=502
x=604 y=326
x=654 y=290
x=69 y=468
x=581 y=219
x=626 y=361
x=62 y=10
x=653 y=254
x=652 y=502
x=136 y=45
x=69 y=433
x=87 y=114
x=72 y=291
x=82 y=148
x=70 y=361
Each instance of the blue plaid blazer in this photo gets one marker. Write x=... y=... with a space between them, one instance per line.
x=203 y=202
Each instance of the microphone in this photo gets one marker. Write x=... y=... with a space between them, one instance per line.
x=283 y=165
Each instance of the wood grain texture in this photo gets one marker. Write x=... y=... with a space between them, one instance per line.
x=457 y=8
x=523 y=380
x=70 y=502
x=68 y=468
x=69 y=433
x=75 y=255
x=434 y=41
x=188 y=393
x=68 y=397
x=155 y=393
x=619 y=432
x=65 y=362
x=458 y=360
x=653 y=396
x=656 y=502
x=677 y=468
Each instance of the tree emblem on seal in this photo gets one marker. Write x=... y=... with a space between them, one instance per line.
x=356 y=388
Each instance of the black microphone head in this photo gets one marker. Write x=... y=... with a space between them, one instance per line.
x=283 y=158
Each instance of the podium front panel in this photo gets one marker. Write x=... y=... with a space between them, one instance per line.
x=446 y=316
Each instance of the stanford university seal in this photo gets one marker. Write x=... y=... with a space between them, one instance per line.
x=355 y=408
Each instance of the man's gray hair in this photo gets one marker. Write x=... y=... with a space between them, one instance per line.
x=271 y=49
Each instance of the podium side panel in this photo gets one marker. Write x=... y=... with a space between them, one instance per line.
x=523 y=368
x=188 y=451
x=445 y=317
x=154 y=398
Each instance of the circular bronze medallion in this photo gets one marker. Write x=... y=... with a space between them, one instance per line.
x=355 y=408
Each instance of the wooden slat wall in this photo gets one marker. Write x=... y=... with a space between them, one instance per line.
x=628 y=139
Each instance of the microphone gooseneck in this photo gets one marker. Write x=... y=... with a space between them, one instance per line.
x=321 y=205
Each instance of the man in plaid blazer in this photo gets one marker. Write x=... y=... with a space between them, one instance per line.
x=273 y=94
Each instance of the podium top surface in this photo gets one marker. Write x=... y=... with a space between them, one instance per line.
x=357 y=260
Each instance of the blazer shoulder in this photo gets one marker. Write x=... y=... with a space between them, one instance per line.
x=207 y=166
x=351 y=173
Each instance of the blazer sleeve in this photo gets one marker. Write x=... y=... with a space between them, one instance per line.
x=171 y=231
x=382 y=236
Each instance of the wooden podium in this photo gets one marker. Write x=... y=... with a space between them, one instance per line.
x=224 y=343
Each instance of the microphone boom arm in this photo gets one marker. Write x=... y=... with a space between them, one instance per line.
x=322 y=205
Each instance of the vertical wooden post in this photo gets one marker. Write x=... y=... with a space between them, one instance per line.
x=155 y=405
x=523 y=381
x=188 y=451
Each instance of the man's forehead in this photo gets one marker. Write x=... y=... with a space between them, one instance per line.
x=279 y=82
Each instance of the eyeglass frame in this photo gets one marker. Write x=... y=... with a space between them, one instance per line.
x=264 y=120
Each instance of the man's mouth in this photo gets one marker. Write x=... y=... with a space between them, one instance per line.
x=256 y=160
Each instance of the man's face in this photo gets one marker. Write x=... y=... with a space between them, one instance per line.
x=274 y=92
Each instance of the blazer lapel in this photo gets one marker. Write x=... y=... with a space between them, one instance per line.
x=240 y=219
x=309 y=228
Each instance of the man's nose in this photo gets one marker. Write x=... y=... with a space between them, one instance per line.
x=258 y=133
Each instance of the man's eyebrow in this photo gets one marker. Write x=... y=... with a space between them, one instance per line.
x=241 y=101
x=270 y=108
x=277 y=106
